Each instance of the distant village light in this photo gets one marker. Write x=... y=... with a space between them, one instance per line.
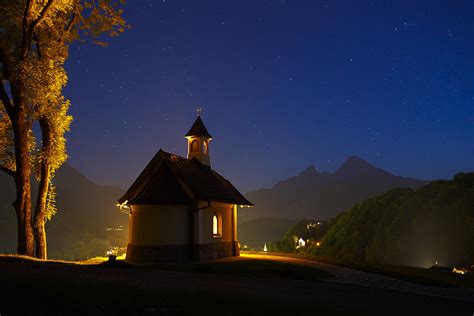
x=459 y=271
x=300 y=243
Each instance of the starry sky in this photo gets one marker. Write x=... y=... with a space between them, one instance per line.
x=283 y=84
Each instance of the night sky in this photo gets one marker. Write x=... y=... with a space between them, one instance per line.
x=283 y=84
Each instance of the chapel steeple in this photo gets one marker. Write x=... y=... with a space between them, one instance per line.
x=198 y=141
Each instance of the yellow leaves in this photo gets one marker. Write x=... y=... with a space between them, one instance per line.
x=101 y=17
x=58 y=122
x=6 y=138
x=39 y=73
x=46 y=11
x=100 y=43
x=51 y=209
x=7 y=151
x=44 y=80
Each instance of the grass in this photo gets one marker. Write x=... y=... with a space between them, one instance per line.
x=265 y=268
x=231 y=286
x=262 y=268
x=244 y=267
x=240 y=267
x=95 y=286
x=13 y=258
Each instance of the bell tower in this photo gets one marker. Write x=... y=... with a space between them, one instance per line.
x=198 y=141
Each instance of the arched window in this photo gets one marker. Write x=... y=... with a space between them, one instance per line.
x=206 y=147
x=216 y=226
x=195 y=146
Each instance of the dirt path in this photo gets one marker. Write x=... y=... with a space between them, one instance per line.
x=355 y=277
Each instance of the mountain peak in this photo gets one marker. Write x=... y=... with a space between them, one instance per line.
x=311 y=170
x=355 y=160
x=355 y=166
x=323 y=195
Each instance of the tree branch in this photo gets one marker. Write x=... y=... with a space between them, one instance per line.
x=41 y=16
x=26 y=14
x=71 y=23
x=8 y=171
x=28 y=29
x=25 y=29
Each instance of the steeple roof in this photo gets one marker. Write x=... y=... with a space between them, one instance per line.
x=198 y=129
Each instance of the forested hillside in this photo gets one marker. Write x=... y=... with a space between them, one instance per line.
x=403 y=226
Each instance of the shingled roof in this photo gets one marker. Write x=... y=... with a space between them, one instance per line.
x=198 y=129
x=171 y=179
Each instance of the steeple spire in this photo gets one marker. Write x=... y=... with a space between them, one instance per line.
x=198 y=141
x=198 y=129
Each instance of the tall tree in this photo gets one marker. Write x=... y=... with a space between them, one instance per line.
x=35 y=36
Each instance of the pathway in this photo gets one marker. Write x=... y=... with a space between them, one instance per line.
x=357 y=277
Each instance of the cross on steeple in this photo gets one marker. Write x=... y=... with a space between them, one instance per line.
x=198 y=111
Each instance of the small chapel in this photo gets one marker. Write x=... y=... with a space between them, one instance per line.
x=180 y=209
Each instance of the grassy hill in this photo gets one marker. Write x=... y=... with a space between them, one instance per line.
x=249 y=285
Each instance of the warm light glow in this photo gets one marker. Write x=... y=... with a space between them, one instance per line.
x=300 y=243
x=194 y=146
x=215 y=225
x=318 y=243
x=124 y=208
x=265 y=249
x=459 y=271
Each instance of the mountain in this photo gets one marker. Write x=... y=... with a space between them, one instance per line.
x=322 y=195
x=410 y=227
x=78 y=230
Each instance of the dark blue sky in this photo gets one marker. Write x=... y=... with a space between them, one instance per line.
x=283 y=84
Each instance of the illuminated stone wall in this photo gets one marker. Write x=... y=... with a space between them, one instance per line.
x=169 y=233
x=203 y=223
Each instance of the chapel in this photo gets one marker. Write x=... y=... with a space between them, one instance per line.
x=180 y=209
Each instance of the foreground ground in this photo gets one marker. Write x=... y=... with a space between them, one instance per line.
x=251 y=284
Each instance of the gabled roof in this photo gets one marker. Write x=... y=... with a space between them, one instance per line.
x=171 y=179
x=198 y=129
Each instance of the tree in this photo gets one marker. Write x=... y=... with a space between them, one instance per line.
x=52 y=155
x=35 y=36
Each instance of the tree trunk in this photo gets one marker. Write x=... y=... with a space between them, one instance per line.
x=40 y=213
x=22 y=203
x=41 y=202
